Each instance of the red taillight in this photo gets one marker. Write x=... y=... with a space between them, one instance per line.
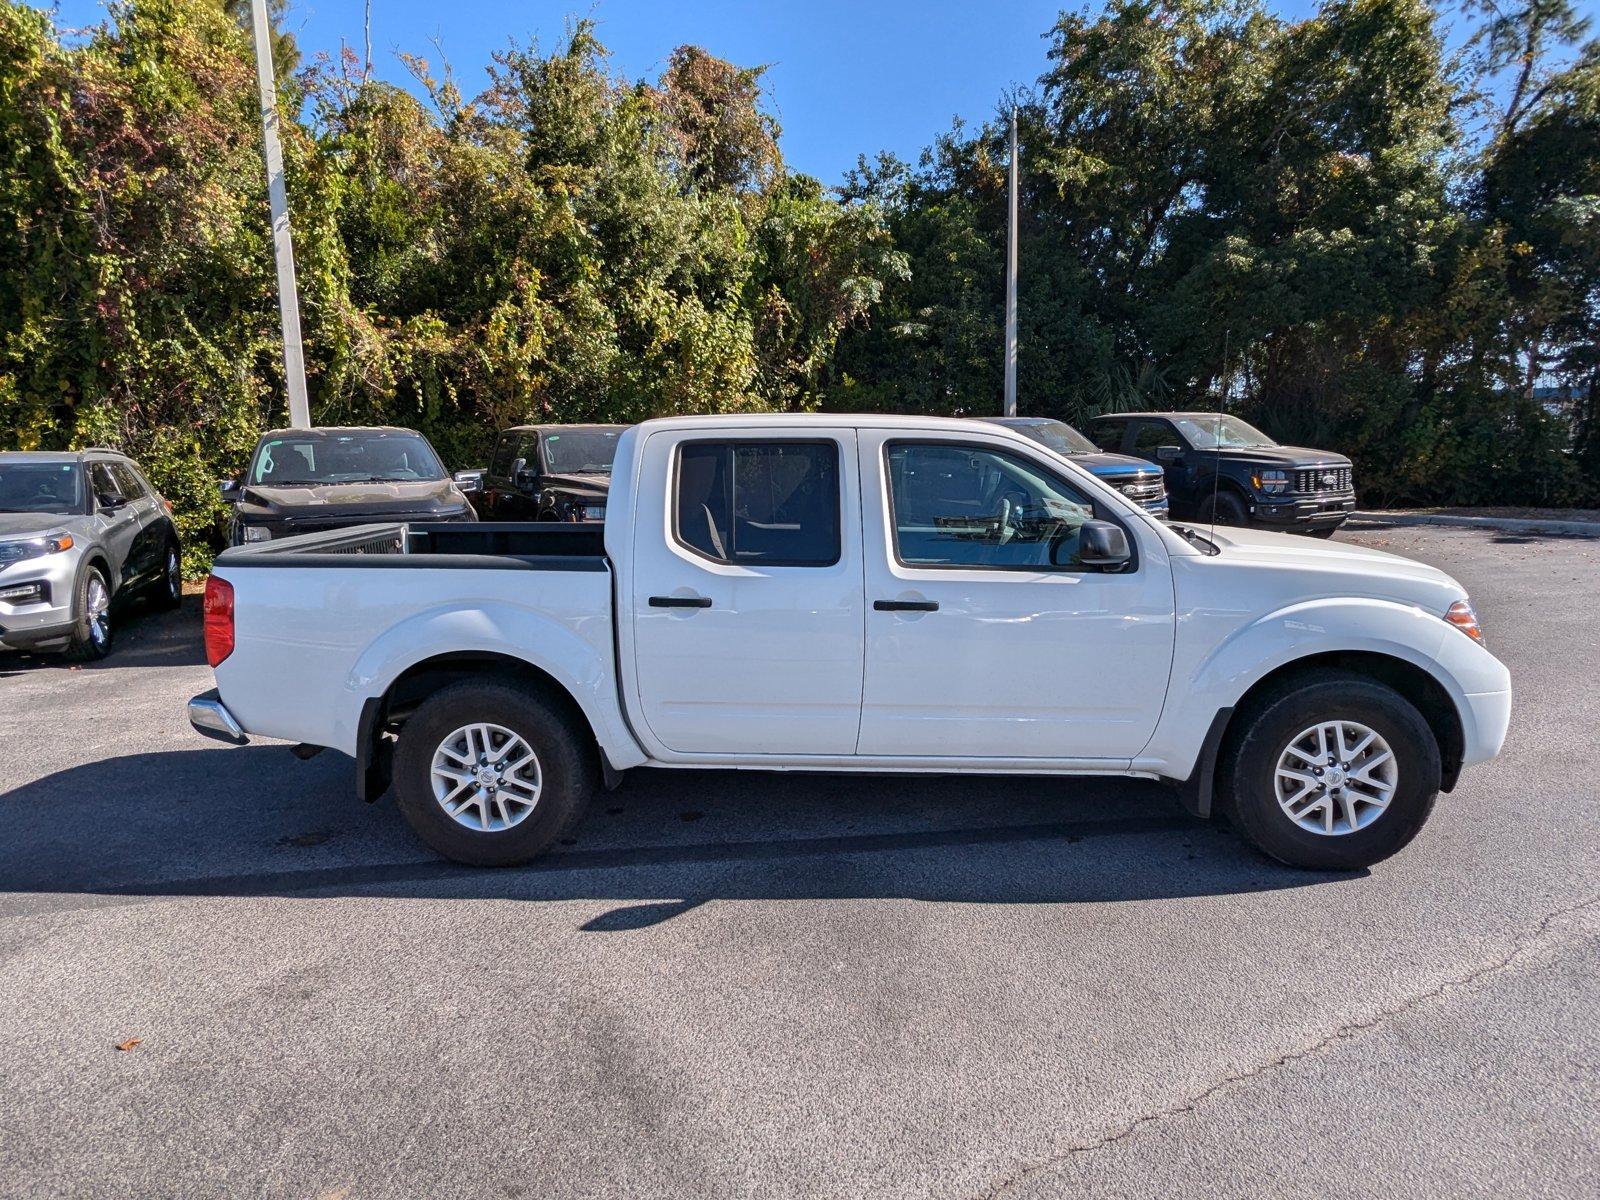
x=218 y=610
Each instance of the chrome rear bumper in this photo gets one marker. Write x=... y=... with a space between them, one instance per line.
x=211 y=717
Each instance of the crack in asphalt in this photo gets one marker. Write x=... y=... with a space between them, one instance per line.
x=1522 y=944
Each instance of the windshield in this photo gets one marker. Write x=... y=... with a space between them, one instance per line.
x=345 y=458
x=1058 y=436
x=1221 y=433
x=570 y=451
x=41 y=488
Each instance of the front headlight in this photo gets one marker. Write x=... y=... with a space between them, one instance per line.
x=257 y=533
x=1460 y=615
x=26 y=548
x=1271 y=482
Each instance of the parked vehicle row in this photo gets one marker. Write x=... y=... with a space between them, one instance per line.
x=1222 y=470
x=1204 y=467
x=857 y=593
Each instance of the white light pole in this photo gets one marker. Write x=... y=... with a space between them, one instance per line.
x=294 y=363
x=1011 y=281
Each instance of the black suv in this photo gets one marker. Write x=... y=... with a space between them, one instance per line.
x=309 y=480
x=550 y=473
x=1222 y=469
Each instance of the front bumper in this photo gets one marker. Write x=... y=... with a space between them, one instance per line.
x=1299 y=512
x=211 y=718
x=42 y=623
x=1484 y=725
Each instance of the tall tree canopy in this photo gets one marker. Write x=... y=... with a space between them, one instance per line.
x=1318 y=223
x=567 y=244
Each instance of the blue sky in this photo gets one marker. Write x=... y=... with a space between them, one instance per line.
x=846 y=77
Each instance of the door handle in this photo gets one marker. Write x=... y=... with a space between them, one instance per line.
x=906 y=605
x=680 y=601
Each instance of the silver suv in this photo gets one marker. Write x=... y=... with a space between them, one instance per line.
x=79 y=530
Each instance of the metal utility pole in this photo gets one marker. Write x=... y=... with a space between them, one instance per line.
x=294 y=363
x=1010 y=287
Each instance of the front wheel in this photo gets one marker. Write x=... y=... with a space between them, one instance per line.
x=491 y=774
x=1332 y=772
x=1228 y=508
x=91 y=609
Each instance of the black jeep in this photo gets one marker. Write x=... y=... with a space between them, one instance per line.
x=1222 y=469
x=550 y=473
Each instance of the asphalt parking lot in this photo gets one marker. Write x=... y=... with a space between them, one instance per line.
x=773 y=986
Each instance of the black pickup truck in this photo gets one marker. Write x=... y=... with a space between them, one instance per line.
x=310 y=480
x=550 y=473
x=1225 y=470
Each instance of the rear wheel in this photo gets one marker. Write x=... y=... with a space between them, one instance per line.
x=1334 y=771
x=491 y=774
x=167 y=593
x=91 y=609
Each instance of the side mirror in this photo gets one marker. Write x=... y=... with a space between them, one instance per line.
x=110 y=500
x=229 y=490
x=1102 y=544
x=520 y=475
x=470 y=482
x=1169 y=453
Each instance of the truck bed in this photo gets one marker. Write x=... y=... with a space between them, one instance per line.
x=505 y=545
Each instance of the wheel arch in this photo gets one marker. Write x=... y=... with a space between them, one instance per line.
x=382 y=715
x=1415 y=683
x=97 y=557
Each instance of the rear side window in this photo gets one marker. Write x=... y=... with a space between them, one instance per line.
x=773 y=503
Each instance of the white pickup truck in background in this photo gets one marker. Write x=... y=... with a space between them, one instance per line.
x=858 y=593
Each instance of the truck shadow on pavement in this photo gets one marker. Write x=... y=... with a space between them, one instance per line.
x=257 y=822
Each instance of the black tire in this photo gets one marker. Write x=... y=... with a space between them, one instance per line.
x=91 y=639
x=566 y=770
x=1247 y=770
x=166 y=593
x=1327 y=531
x=1227 y=509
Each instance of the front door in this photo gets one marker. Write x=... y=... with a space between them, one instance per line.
x=120 y=523
x=746 y=607
x=985 y=637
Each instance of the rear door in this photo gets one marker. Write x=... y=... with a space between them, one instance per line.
x=986 y=638
x=149 y=543
x=746 y=592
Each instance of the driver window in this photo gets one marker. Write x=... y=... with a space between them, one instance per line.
x=962 y=506
x=104 y=485
x=1150 y=437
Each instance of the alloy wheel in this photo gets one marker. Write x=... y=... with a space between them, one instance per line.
x=486 y=777
x=97 y=603
x=1336 y=778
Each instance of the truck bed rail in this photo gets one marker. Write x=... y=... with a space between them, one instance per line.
x=506 y=545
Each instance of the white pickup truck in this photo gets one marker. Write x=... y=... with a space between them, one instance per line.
x=858 y=593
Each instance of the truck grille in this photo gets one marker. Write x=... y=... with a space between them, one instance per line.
x=1322 y=479
x=1146 y=490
